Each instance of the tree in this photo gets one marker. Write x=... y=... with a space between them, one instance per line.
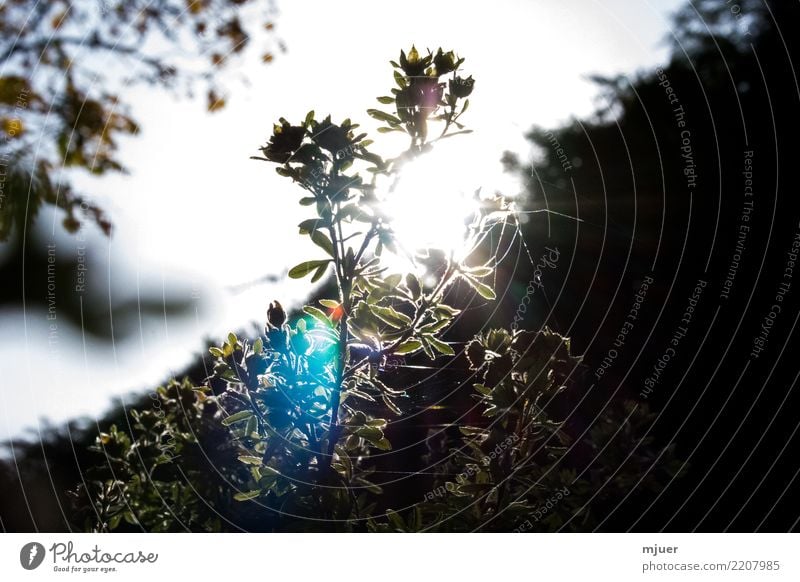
x=58 y=111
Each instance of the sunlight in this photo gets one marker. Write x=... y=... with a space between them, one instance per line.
x=434 y=199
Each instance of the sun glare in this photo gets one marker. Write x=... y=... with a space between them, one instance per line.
x=434 y=199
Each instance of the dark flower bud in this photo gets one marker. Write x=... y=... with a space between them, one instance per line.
x=413 y=65
x=461 y=87
x=286 y=139
x=444 y=62
x=276 y=316
x=334 y=138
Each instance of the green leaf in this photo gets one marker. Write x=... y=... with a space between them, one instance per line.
x=408 y=347
x=400 y=80
x=413 y=285
x=246 y=495
x=310 y=225
x=446 y=310
x=478 y=271
x=329 y=303
x=390 y=316
x=250 y=460
x=322 y=241
x=482 y=389
x=388 y=129
x=303 y=269
x=386 y=100
x=392 y=281
x=391 y=405
x=252 y=427
x=483 y=290
x=317 y=314
x=320 y=272
x=370 y=433
x=383 y=116
x=258 y=346
x=383 y=444
x=307 y=201
x=434 y=327
x=471 y=430
x=241 y=415
x=310 y=118
x=215 y=351
x=439 y=346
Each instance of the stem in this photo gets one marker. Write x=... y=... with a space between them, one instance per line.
x=426 y=302
x=344 y=281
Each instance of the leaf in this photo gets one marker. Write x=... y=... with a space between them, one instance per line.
x=322 y=241
x=444 y=309
x=310 y=225
x=390 y=316
x=386 y=100
x=246 y=495
x=471 y=430
x=258 y=346
x=408 y=347
x=303 y=269
x=329 y=303
x=388 y=129
x=317 y=314
x=250 y=460
x=320 y=272
x=241 y=415
x=307 y=201
x=383 y=444
x=383 y=116
x=413 y=285
x=483 y=290
x=310 y=117
x=214 y=101
x=252 y=427
x=392 y=281
x=391 y=405
x=215 y=351
x=434 y=327
x=400 y=80
x=370 y=433
x=478 y=271
x=439 y=346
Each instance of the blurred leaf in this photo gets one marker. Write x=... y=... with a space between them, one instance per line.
x=303 y=269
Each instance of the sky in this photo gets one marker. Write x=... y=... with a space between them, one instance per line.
x=197 y=219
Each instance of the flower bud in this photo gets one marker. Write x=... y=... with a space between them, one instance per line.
x=276 y=316
x=445 y=62
x=461 y=87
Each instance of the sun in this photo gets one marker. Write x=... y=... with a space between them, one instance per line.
x=433 y=199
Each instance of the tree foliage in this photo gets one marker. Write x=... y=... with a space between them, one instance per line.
x=58 y=110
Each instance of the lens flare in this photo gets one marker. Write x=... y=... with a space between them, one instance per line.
x=433 y=198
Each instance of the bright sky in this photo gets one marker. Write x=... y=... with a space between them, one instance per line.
x=198 y=215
